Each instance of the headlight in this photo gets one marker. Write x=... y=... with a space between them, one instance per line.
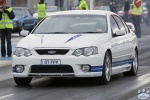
x=27 y=53
x=78 y=52
x=22 y=52
x=87 y=51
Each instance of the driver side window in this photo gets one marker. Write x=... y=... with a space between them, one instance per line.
x=114 y=26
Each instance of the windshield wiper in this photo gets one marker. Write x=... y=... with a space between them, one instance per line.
x=58 y=33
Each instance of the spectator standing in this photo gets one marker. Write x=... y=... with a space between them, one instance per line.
x=82 y=5
x=41 y=8
x=126 y=10
x=148 y=15
x=113 y=6
x=136 y=14
x=6 y=26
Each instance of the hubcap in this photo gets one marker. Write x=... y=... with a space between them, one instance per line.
x=108 y=68
x=135 y=64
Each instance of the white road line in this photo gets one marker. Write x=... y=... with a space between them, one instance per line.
x=5 y=96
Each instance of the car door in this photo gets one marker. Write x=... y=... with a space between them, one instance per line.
x=29 y=21
x=126 y=48
x=116 y=43
x=128 y=40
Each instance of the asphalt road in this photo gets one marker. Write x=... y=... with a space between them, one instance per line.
x=120 y=87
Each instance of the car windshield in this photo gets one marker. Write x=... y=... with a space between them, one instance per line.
x=82 y=24
x=18 y=12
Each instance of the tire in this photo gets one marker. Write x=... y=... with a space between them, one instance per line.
x=107 y=70
x=134 y=65
x=23 y=81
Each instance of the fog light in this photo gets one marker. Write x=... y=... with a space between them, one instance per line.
x=19 y=68
x=85 y=68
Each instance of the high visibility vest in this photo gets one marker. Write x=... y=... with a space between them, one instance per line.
x=41 y=10
x=6 y=22
x=135 y=10
x=83 y=4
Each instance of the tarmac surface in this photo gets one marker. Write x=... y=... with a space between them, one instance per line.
x=7 y=61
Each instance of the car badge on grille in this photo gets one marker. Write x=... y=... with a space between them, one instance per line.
x=51 y=52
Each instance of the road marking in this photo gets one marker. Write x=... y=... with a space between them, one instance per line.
x=5 y=96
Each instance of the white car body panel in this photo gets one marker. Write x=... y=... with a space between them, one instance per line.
x=121 y=48
x=59 y=40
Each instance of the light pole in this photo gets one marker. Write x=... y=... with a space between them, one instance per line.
x=91 y=4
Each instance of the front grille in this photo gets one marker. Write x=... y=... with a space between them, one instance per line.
x=51 y=69
x=52 y=51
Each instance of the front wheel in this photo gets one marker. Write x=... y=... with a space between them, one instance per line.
x=23 y=81
x=134 y=65
x=107 y=70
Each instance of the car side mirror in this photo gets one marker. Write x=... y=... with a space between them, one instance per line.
x=131 y=26
x=120 y=32
x=24 y=33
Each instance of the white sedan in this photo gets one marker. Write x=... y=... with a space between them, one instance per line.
x=77 y=43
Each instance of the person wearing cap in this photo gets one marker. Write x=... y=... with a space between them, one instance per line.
x=41 y=7
x=6 y=27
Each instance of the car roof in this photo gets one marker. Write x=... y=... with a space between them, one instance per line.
x=88 y=12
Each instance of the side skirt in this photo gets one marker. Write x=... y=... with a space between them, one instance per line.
x=121 y=69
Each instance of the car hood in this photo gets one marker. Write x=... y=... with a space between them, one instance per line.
x=59 y=40
x=17 y=18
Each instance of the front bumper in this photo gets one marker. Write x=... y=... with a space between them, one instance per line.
x=95 y=61
x=16 y=29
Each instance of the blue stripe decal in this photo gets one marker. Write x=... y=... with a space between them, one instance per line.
x=96 y=68
x=114 y=64
x=74 y=37
x=123 y=62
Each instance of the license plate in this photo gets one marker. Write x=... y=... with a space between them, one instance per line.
x=50 y=62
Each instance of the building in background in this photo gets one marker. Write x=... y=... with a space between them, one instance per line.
x=63 y=4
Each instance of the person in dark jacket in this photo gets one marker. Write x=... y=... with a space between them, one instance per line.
x=148 y=15
x=6 y=26
x=126 y=10
x=113 y=6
